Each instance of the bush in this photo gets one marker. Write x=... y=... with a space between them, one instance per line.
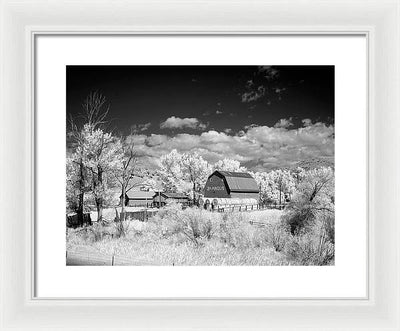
x=170 y=211
x=278 y=236
x=309 y=249
x=196 y=225
x=316 y=247
x=193 y=224
x=299 y=218
x=236 y=231
x=314 y=197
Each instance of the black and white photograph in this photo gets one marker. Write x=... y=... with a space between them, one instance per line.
x=200 y=165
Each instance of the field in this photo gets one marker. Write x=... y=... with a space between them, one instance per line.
x=193 y=236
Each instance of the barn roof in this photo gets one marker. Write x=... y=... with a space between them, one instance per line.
x=239 y=181
x=235 y=174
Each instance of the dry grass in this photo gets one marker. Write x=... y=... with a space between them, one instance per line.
x=189 y=237
x=198 y=237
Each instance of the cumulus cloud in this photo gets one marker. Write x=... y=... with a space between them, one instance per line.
x=307 y=122
x=181 y=123
x=284 y=123
x=256 y=147
x=135 y=128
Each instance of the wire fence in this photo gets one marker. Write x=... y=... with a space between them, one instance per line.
x=100 y=259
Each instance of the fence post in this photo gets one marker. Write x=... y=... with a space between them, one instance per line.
x=112 y=260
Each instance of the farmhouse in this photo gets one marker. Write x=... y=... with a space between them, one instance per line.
x=139 y=198
x=162 y=198
x=229 y=189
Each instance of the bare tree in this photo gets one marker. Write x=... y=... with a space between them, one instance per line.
x=95 y=110
x=126 y=171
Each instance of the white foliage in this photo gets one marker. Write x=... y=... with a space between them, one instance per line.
x=229 y=165
x=185 y=172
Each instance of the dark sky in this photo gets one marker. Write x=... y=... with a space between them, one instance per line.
x=151 y=94
x=263 y=116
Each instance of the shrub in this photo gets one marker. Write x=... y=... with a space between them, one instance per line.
x=196 y=225
x=329 y=227
x=314 y=197
x=299 y=218
x=236 y=231
x=309 y=249
x=278 y=236
x=170 y=211
x=316 y=247
x=193 y=224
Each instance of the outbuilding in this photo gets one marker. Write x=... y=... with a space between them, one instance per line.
x=160 y=199
x=139 y=198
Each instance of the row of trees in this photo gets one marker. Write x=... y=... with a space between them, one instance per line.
x=188 y=172
x=101 y=161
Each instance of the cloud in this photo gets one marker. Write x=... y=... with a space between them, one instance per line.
x=259 y=86
x=253 y=95
x=268 y=72
x=284 y=123
x=306 y=122
x=279 y=90
x=181 y=123
x=256 y=147
x=135 y=128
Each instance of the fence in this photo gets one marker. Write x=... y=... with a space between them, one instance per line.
x=99 y=259
x=141 y=215
x=72 y=221
x=248 y=208
x=272 y=206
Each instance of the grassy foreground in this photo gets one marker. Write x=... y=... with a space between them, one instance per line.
x=196 y=237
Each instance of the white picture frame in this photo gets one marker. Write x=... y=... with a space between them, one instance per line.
x=21 y=22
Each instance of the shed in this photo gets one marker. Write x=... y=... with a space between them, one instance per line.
x=162 y=198
x=227 y=184
x=139 y=198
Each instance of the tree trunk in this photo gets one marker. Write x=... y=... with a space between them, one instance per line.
x=81 y=194
x=99 y=211
x=99 y=198
x=80 y=208
x=194 y=193
x=122 y=214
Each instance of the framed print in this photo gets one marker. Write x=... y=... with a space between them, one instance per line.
x=238 y=176
x=166 y=166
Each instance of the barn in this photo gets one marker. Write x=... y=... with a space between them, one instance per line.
x=160 y=199
x=225 y=189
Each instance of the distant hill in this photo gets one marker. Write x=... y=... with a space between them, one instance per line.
x=314 y=163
